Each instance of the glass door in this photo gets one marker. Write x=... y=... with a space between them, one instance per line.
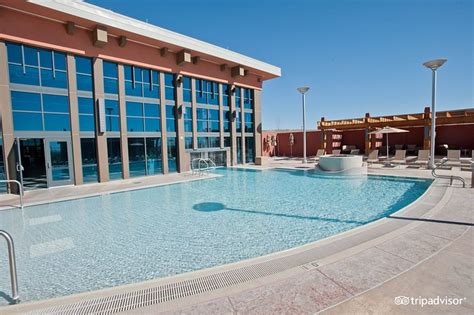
x=59 y=162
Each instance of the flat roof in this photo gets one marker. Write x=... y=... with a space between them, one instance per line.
x=83 y=10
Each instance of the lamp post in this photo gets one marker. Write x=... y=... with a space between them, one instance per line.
x=433 y=65
x=303 y=91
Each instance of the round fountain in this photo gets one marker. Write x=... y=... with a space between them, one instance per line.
x=341 y=164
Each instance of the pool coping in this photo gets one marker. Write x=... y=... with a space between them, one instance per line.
x=437 y=192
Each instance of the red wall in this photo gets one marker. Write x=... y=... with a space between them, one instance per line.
x=283 y=147
x=455 y=136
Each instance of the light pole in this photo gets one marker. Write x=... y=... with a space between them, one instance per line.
x=303 y=91
x=433 y=65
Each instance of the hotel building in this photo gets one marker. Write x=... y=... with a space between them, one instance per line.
x=89 y=95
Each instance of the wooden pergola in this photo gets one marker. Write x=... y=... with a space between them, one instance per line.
x=368 y=123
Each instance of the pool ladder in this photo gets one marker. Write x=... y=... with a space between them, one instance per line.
x=12 y=262
x=450 y=177
x=203 y=166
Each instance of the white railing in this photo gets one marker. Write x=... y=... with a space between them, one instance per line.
x=20 y=187
x=199 y=166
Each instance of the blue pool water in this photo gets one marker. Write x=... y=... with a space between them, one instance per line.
x=92 y=243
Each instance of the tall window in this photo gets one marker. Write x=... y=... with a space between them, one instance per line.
x=115 y=158
x=38 y=108
x=187 y=96
x=86 y=113
x=143 y=117
x=248 y=117
x=169 y=86
x=40 y=112
x=112 y=118
x=89 y=160
x=141 y=82
x=225 y=95
x=249 y=149
x=248 y=98
x=144 y=156
x=207 y=120
x=36 y=66
x=172 y=154
x=84 y=77
x=110 y=77
x=170 y=118
x=207 y=92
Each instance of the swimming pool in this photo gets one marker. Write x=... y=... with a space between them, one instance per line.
x=92 y=243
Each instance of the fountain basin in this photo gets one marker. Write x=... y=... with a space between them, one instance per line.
x=342 y=164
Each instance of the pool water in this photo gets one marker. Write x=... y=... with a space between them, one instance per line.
x=92 y=243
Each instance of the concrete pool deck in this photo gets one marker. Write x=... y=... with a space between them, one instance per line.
x=425 y=249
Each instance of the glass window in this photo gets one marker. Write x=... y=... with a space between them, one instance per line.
x=134 y=109
x=86 y=105
x=207 y=120
x=110 y=77
x=170 y=118
x=187 y=96
x=24 y=121
x=153 y=156
x=152 y=125
x=115 y=158
x=169 y=86
x=84 y=74
x=141 y=82
x=188 y=119
x=26 y=101
x=248 y=122
x=135 y=124
x=172 y=154
x=136 y=156
x=112 y=115
x=56 y=122
x=86 y=114
x=227 y=142
x=225 y=95
x=27 y=64
x=20 y=75
x=55 y=103
x=188 y=142
x=248 y=98
x=250 y=150
x=207 y=92
x=89 y=160
x=14 y=53
x=227 y=115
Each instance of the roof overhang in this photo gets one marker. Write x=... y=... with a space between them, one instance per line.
x=129 y=25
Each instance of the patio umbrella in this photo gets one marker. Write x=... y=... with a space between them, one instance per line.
x=387 y=130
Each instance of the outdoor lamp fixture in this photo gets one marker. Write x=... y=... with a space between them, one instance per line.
x=303 y=90
x=179 y=111
x=433 y=65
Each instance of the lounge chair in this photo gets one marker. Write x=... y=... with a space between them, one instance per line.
x=319 y=153
x=373 y=157
x=398 y=147
x=400 y=157
x=454 y=158
x=347 y=148
x=354 y=152
x=336 y=152
x=411 y=148
x=423 y=158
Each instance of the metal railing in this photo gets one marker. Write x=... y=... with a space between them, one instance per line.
x=202 y=165
x=12 y=262
x=450 y=177
x=19 y=187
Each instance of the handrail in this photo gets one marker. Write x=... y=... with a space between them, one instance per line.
x=19 y=186
x=200 y=170
x=12 y=261
x=450 y=177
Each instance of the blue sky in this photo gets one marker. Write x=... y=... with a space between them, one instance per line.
x=357 y=56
